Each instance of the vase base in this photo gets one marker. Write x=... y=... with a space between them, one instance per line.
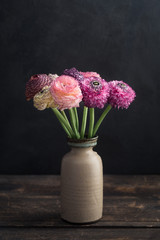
x=81 y=223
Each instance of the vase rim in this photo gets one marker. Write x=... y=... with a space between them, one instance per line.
x=83 y=143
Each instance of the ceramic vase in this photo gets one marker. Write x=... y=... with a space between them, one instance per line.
x=82 y=183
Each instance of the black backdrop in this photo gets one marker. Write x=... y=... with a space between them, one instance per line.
x=118 y=39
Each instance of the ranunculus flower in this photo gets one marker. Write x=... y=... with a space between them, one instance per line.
x=95 y=92
x=121 y=94
x=44 y=99
x=66 y=92
x=73 y=72
x=90 y=74
x=36 y=83
x=52 y=76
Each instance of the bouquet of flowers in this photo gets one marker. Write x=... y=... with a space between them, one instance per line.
x=69 y=89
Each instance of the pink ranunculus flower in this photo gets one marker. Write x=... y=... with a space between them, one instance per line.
x=37 y=82
x=95 y=92
x=90 y=74
x=66 y=92
x=121 y=94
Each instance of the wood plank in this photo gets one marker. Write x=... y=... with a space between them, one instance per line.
x=79 y=234
x=113 y=184
x=34 y=201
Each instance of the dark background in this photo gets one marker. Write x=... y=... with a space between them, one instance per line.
x=118 y=39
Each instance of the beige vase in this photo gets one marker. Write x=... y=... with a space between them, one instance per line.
x=82 y=183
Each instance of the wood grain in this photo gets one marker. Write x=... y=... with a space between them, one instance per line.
x=33 y=201
x=79 y=234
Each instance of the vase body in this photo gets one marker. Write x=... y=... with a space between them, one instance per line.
x=82 y=183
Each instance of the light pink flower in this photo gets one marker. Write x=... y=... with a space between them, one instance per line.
x=90 y=74
x=121 y=94
x=95 y=92
x=44 y=99
x=66 y=92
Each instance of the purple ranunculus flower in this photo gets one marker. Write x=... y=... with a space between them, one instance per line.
x=37 y=82
x=73 y=72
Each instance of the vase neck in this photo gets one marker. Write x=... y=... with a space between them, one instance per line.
x=80 y=149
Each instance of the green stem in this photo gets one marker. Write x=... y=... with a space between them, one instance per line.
x=65 y=128
x=73 y=122
x=106 y=111
x=76 y=116
x=65 y=116
x=63 y=122
x=91 y=122
x=84 y=121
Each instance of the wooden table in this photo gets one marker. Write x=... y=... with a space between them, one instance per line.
x=30 y=206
